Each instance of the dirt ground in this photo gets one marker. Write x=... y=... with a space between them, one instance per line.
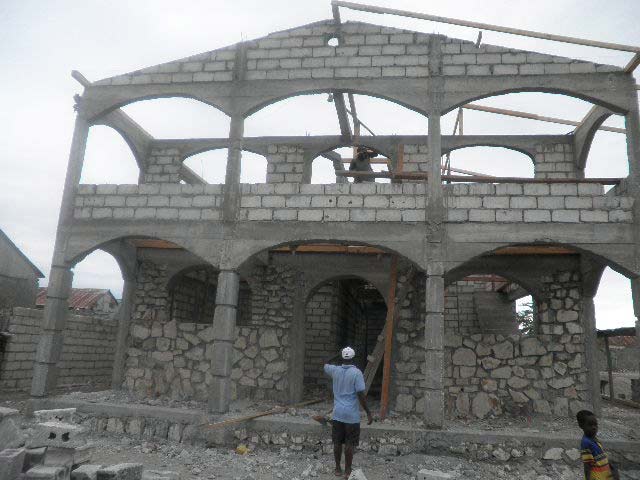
x=193 y=462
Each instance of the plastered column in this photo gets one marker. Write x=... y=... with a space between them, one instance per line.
x=590 y=353
x=60 y=276
x=232 y=178
x=635 y=293
x=434 y=347
x=224 y=331
x=124 y=319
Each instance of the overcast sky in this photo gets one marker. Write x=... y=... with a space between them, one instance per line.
x=42 y=41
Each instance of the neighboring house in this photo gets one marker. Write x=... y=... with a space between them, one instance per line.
x=18 y=279
x=86 y=301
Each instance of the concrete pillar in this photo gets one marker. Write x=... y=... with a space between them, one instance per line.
x=434 y=346
x=632 y=124
x=635 y=295
x=60 y=277
x=434 y=183
x=224 y=331
x=591 y=353
x=124 y=319
x=232 y=178
x=297 y=342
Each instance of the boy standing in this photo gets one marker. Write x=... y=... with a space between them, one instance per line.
x=348 y=391
x=595 y=460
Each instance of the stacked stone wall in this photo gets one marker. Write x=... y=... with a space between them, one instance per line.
x=285 y=164
x=87 y=352
x=489 y=375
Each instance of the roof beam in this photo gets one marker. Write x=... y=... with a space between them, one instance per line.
x=191 y=177
x=341 y=110
x=592 y=121
x=487 y=26
x=532 y=116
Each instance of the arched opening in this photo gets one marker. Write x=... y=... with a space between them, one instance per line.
x=189 y=118
x=212 y=166
x=341 y=312
x=494 y=161
x=315 y=114
x=323 y=171
x=608 y=156
x=108 y=158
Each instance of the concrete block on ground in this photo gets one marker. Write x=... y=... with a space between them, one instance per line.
x=11 y=463
x=434 y=475
x=33 y=457
x=10 y=434
x=57 y=434
x=47 y=473
x=122 y=471
x=69 y=456
x=64 y=415
x=86 y=472
x=160 y=475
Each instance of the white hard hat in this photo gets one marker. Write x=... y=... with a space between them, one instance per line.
x=348 y=353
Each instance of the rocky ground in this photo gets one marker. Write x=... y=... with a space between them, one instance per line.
x=196 y=462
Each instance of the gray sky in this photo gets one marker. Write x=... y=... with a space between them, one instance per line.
x=42 y=41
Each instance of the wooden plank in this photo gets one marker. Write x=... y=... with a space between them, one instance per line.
x=479 y=179
x=400 y=164
x=609 y=367
x=487 y=26
x=534 y=250
x=273 y=411
x=342 y=249
x=533 y=116
x=343 y=120
x=388 y=339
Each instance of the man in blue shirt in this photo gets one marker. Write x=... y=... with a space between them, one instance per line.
x=348 y=391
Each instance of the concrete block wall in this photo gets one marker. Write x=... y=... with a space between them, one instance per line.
x=321 y=333
x=366 y=51
x=546 y=374
x=535 y=203
x=285 y=164
x=87 y=352
x=555 y=161
x=162 y=166
x=379 y=202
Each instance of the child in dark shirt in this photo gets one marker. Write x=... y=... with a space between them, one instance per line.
x=595 y=460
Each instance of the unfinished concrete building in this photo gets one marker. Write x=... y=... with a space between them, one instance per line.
x=239 y=290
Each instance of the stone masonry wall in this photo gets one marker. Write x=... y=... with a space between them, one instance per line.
x=380 y=202
x=285 y=164
x=488 y=375
x=87 y=352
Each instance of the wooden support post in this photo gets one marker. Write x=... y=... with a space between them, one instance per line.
x=400 y=163
x=609 y=367
x=388 y=339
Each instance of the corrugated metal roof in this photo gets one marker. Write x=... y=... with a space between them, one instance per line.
x=81 y=298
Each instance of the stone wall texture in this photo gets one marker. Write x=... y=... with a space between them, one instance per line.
x=87 y=352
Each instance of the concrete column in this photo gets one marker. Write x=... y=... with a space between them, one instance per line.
x=434 y=182
x=297 y=343
x=224 y=331
x=232 y=178
x=124 y=319
x=635 y=295
x=434 y=347
x=632 y=124
x=591 y=353
x=60 y=276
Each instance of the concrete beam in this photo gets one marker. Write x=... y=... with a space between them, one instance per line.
x=343 y=119
x=191 y=177
x=584 y=133
x=138 y=139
